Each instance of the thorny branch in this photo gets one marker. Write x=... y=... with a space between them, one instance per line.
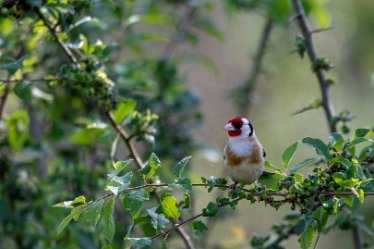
x=307 y=33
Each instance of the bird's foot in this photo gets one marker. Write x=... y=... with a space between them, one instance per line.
x=233 y=186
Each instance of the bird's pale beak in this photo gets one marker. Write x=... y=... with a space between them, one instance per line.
x=229 y=127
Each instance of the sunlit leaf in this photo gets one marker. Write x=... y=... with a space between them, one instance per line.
x=92 y=213
x=307 y=237
x=64 y=223
x=123 y=109
x=169 y=205
x=150 y=169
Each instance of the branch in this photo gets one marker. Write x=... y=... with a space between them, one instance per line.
x=126 y=138
x=313 y=56
x=182 y=24
x=67 y=51
x=6 y=81
x=3 y=100
x=192 y=218
x=245 y=90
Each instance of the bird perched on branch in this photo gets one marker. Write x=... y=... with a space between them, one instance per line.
x=243 y=154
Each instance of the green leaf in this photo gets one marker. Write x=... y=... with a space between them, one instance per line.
x=339 y=178
x=337 y=141
x=169 y=205
x=270 y=180
x=139 y=242
x=87 y=135
x=186 y=199
x=164 y=244
x=288 y=154
x=153 y=18
x=151 y=167
x=109 y=226
x=302 y=164
x=361 y=195
x=321 y=148
x=271 y=166
x=178 y=169
x=93 y=212
x=307 y=237
x=123 y=109
x=133 y=201
x=199 y=227
x=23 y=90
x=361 y=132
x=79 y=199
x=158 y=221
x=64 y=223
x=185 y=182
x=64 y=204
x=359 y=140
x=211 y=210
x=120 y=165
x=321 y=216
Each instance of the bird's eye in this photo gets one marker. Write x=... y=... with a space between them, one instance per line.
x=237 y=125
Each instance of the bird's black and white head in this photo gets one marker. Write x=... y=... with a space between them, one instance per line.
x=239 y=127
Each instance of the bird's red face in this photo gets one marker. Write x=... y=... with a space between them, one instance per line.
x=239 y=126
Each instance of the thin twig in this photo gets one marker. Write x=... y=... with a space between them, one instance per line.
x=192 y=218
x=67 y=51
x=126 y=138
x=244 y=91
x=3 y=100
x=357 y=237
x=5 y=81
x=313 y=56
x=317 y=240
x=180 y=27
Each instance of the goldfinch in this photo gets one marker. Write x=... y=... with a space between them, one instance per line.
x=244 y=156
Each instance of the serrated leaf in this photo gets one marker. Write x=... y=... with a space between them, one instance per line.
x=288 y=154
x=109 y=226
x=361 y=132
x=302 y=164
x=133 y=201
x=150 y=169
x=178 y=169
x=321 y=148
x=185 y=182
x=64 y=223
x=92 y=213
x=123 y=109
x=169 y=205
x=158 y=221
x=139 y=242
x=321 y=216
x=307 y=237
x=211 y=210
x=199 y=227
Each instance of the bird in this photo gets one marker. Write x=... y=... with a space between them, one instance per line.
x=244 y=156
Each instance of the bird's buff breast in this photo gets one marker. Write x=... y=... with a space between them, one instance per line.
x=246 y=173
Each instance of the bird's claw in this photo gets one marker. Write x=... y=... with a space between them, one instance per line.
x=233 y=186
